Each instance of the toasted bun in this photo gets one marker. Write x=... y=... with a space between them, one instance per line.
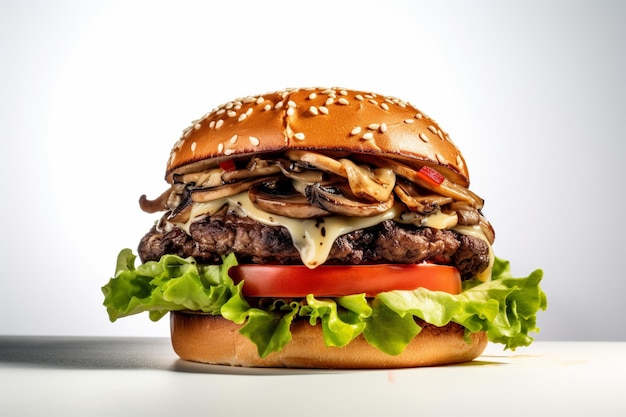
x=318 y=119
x=215 y=340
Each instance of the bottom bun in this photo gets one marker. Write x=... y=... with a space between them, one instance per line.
x=215 y=340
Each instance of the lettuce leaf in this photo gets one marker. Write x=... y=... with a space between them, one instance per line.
x=505 y=307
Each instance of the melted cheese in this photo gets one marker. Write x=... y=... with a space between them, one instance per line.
x=440 y=220
x=313 y=238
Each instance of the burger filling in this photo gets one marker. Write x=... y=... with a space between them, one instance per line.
x=230 y=234
x=309 y=208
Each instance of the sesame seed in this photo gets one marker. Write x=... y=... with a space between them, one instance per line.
x=233 y=140
x=419 y=116
x=267 y=107
x=343 y=92
x=197 y=126
x=343 y=101
x=383 y=127
x=212 y=124
x=368 y=136
x=291 y=103
x=249 y=111
x=313 y=110
x=260 y=100
x=193 y=147
x=231 y=113
x=329 y=101
x=220 y=147
x=440 y=134
x=385 y=106
x=229 y=105
x=242 y=117
x=432 y=129
x=254 y=141
x=220 y=112
x=423 y=137
x=409 y=121
x=219 y=123
x=359 y=97
x=373 y=126
x=312 y=96
x=355 y=131
x=323 y=109
x=374 y=102
x=249 y=99
x=279 y=105
x=229 y=151
x=440 y=159
x=299 y=136
x=290 y=111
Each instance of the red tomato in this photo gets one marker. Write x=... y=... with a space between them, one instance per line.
x=337 y=280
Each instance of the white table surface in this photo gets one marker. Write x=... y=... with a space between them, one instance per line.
x=78 y=376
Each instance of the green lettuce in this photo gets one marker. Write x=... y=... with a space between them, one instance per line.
x=504 y=307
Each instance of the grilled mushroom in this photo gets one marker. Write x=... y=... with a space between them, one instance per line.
x=204 y=195
x=339 y=200
x=277 y=196
x=417 y=201
x=256 y=168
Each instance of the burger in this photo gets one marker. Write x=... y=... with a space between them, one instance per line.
x=322 y=228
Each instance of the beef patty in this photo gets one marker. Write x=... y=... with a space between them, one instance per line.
x=254 y=242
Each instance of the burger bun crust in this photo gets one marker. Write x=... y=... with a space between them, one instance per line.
x=319 y=119
x=215 y=340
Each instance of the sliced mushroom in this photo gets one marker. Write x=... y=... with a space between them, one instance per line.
x=416 y=201
x=468 y=217
x=182 y=212
x=446 y=188
x=256 y=168
x=487 y=229
x=319 y=161
x=204 y=195
x=376 y=184
x=209 y=178
x=156 y=205
x=339 y=200
x=297 y=172
x=277 y=196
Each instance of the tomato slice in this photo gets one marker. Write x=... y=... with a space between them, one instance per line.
x=338 y=280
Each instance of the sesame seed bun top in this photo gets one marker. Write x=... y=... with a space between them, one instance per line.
x=318 y=119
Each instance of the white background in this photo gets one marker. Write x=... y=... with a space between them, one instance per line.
x=93 y=96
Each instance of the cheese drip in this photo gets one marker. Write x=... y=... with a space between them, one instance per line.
x=314 y=238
